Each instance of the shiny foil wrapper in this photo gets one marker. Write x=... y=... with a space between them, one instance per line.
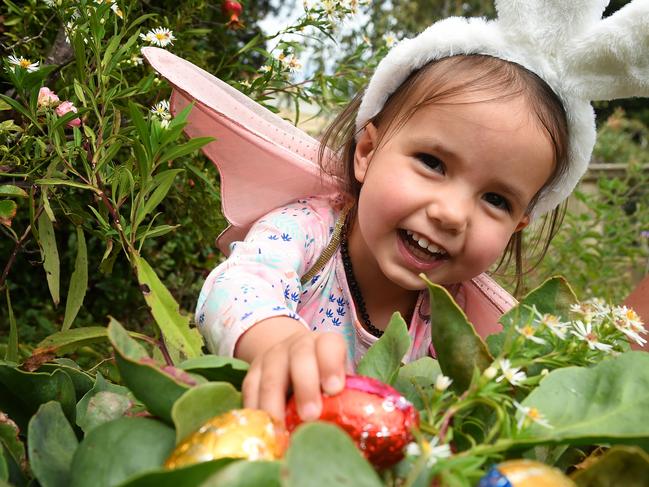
x=240 y=433
x=375 y=415
x=524 y=473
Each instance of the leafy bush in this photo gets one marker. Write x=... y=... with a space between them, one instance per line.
x=555 y=384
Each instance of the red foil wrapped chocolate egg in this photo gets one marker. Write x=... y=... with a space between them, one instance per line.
x=375 y=415
x=240 y=433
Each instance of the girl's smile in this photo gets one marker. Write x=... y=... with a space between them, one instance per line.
x=443 y=193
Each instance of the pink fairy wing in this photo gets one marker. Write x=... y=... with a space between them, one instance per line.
x=263 y=160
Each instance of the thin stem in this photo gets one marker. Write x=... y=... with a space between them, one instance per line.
x=19 y=244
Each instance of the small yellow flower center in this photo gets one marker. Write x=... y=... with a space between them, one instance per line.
x=24 y=63
x=631 y=315
x=527 y=330
x=161 y=36
x=534 y=414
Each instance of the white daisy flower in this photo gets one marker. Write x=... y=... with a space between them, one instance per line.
x=584 y=331
x=513 y=375
x=265 y=68
x=442 y=382
x=293 y=64
x=115 y=8
x=528 y=332
x=23 y=63
x=435 y=452
x=530 y=415
x=628 y=322
x=390 y=39
x=160 y=36
x=161 y=110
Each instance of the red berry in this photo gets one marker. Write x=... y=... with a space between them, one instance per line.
x=233 y=10
x=375 y=415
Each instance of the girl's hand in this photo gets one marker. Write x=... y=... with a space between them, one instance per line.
x=306 y=361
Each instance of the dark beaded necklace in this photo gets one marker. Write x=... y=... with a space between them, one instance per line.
x=355 y=289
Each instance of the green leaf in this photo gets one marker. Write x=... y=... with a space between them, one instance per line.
x=91 y=413
x=338 y=461
x=142 y=134
x=217 y=369
x=12 y=343
x=64 y=342
x=155 y=388
x=20 y=109
x=181 y=340
x=162 y=183
x=383 y=359
x=23 y=392
x=66 y=182
x=50 y=254
x=7 y=209
x=120 y=449
x=104 y=406
x=78 y=90
x=247 y=474
x=51 y=442
x=10 y=440
x=458 y=347
x=191 y=476
x=81 y=379
x=621 y=465
x=12 y=191
x=78 y=282
x=202 y=403
x=184 y=149
x=4 y=468
x=415 y=377
x=603 y=404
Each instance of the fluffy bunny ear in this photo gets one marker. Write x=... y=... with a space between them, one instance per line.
x=610 y=60
x=548 y=23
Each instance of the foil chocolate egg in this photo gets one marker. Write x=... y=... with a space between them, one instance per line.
x=524 y=473
x=240 y=433
x=375 y=415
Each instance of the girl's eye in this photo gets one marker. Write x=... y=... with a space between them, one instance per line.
x=431 y=162
x=498 y=201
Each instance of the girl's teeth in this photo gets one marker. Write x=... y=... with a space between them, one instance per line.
x=425 y=244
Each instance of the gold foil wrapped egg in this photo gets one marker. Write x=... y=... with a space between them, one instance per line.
x=524 y=473
x=240 y=433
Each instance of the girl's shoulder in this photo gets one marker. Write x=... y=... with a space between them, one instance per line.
x=318 y=211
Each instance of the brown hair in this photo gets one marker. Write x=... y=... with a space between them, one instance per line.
x=438 y=82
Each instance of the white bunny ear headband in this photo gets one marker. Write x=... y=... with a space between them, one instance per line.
x=581 y=56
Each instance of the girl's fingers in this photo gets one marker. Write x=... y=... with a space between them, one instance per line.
x=331 y=353
x=305 y=377
x=250 y=386
x=274 y=382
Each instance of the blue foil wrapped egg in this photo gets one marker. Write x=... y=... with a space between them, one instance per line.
x=524 y=473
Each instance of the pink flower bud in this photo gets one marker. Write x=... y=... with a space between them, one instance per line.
x=47 y=97
x=67 y=107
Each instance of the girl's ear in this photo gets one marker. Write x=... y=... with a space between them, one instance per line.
x=364 y=151
x=525 y=221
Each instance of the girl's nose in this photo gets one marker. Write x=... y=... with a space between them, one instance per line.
x=450 y=213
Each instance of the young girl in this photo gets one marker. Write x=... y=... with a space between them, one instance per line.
x=464 y=135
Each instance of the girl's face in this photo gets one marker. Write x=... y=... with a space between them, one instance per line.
x=444 y=193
